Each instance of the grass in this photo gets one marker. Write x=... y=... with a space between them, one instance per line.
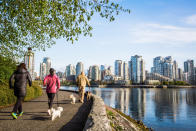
x=138 y=123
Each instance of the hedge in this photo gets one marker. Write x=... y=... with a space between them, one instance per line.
x=7 y=95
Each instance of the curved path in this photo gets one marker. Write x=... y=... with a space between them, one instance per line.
x=35 y=117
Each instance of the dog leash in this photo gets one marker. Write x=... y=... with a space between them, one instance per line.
x=57 y=99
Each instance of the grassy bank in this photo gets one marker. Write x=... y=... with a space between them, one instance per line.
x=118 y=124
x=7 y=97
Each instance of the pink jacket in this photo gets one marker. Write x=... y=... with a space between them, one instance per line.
x=51 y=82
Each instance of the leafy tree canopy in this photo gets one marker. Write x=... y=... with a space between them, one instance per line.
x=36 y=23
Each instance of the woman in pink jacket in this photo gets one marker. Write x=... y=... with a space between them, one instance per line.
x=51 y=81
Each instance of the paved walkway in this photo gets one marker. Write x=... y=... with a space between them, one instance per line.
x=35 y=115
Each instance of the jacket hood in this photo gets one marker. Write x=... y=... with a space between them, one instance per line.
x=21 y=71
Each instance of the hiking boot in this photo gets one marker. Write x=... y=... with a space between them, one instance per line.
x=20 y=114
x=14 y=115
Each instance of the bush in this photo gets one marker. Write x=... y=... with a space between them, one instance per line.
x=7 y=95
x=3 y=98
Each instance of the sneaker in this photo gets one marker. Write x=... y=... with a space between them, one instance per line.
x=14 y=115
x=20 y=114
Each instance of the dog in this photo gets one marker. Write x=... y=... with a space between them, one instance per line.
x=88 y=95
x=73 y=99
x=56 y=112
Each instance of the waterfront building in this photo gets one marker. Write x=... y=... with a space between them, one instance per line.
x=185 y=76
x=102 y=67
x=189 y=69
x=60 y=74
x=165 y=66
x=90 y=73
x=137 y=69
x=175 y=70
x=157 y=65
x=47 y=61
x=110 y=70
x=180 y=74
x=156 y=76
x=70 y=70
x=194 y=75
x=42 y=71
x=79 y=68
x=118 y=68
x=29 y=61
x=103 y=71
x=95 y=73
x=125 y=71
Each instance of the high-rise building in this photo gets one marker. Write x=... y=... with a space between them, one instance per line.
x=79 y=68
x=119 y=68
x=110 y=70
x=95 y=73
x=137 y=69
x=164 y=66
x=194 y=75
x=125 y=71
x=180 y=74
x=42 y=70
x=102 y=67
x=29 y=61
x=189 y=69
x=90 y=72
x=175 y=70
x=102 y=71
x=70 y=70
x=47 y=61
x=157 y=65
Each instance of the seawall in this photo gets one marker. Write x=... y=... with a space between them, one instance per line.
x=97 y=119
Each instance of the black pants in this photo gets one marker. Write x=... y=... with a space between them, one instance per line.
x=50 y=99
x=18 y=105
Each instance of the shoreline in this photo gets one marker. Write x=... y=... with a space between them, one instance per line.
x=143 y=86
x=119 y=120
x=137 y=86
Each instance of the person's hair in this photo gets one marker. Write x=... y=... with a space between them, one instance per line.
x=52 y=71
x=22 y=66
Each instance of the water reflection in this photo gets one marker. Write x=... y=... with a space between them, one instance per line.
x=162 y=109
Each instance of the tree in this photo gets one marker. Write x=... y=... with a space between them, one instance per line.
x=37 y=23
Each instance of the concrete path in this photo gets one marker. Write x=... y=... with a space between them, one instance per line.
x=35 y=117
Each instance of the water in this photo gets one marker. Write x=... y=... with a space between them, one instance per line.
x=161 y=109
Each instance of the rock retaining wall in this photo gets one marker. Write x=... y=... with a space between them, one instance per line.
x=97 y=119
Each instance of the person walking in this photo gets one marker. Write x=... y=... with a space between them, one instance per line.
x=81 y=81
x=51 y=81
x=20 y=77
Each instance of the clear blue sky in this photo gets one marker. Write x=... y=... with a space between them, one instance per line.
x=154 y=28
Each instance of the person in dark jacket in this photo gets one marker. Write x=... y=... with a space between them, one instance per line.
x=21 y=76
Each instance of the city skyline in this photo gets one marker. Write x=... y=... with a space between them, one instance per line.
x=168 y=31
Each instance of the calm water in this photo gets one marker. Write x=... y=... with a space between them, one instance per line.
x=161 y=109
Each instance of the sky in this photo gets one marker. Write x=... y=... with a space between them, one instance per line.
x=153 y=28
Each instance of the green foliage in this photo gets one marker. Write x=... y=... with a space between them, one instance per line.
x=183 y=83
x=165 y=83
x=68 y=83
x=7 y=67
x=3 y=98
x=37 y=23
x=7 y=95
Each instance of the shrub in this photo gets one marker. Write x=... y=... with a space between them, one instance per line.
x=3 y=98
x=7 y=95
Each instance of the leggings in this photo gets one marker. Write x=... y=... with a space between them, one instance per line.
x=50 y=99
x=18 y=105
